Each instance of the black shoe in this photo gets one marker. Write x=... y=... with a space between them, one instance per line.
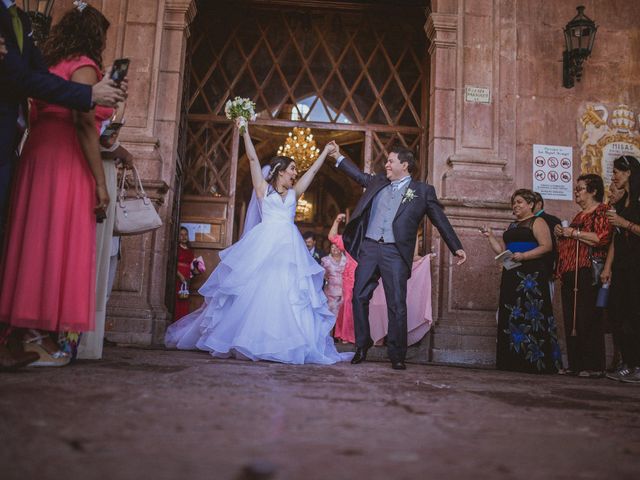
x=361 y=354
x=399 y=365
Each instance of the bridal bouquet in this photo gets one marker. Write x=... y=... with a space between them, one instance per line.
x=242 y=108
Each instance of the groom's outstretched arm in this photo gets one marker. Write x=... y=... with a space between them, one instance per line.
x=352 y=170
x=436 y=214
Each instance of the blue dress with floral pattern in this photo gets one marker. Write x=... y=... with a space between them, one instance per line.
x=527 y=334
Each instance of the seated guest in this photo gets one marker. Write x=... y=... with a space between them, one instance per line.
x=60 y=192
x=527 y=336
x=310 y=241
x=622 y=267
x=344 y=329
x=586 y=240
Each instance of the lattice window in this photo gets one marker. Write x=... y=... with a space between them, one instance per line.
x=383 y=142
x=362 y=70
x=209 y=154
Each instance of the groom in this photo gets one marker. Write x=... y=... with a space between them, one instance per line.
x=381 y=237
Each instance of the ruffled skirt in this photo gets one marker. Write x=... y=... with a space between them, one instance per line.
x=264 y=301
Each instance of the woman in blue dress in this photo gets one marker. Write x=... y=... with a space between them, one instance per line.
x=527 y=335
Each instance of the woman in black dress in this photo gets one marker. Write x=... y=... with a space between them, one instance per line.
x=622 y=267
x=527 y=336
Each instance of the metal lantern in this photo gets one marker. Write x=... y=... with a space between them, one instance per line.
x=579 y=35
x=39 y=12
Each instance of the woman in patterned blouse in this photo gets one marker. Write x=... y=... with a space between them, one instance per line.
x=590 y=234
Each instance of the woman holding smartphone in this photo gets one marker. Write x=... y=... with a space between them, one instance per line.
x=49 y=267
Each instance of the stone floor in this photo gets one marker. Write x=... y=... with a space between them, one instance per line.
x=153 y=414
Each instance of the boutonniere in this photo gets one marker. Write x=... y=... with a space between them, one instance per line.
x=409 y=195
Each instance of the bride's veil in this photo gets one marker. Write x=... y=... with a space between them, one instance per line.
x=254 y=211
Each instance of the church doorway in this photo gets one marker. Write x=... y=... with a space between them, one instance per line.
x=356 y=72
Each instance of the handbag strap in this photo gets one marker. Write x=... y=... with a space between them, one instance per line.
x=123 y=190
x=137 y=182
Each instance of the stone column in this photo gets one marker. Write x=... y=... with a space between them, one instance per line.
x=471 y=156
x=155 y=39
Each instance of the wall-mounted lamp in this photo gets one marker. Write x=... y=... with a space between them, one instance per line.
x=579 y=35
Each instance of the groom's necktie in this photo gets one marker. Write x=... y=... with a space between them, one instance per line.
x=17 y=25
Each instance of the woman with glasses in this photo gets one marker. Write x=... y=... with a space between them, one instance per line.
x=582 y=247
x=623 y=266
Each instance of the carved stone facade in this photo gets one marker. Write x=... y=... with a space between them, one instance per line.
x=478 y=153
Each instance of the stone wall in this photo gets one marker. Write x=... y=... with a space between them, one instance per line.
x=480 y=153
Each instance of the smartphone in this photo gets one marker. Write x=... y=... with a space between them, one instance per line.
x=108 y=137
x=120 y=70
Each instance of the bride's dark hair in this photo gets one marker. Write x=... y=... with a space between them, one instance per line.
x=277 y=164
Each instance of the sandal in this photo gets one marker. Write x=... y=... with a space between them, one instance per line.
x=47 y=359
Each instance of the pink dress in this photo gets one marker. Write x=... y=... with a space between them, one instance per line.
x=48 y=273
x=333 y=274
x=419 y=314
x=344 y=323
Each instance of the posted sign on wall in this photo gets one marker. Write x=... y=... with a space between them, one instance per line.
x=553 y=172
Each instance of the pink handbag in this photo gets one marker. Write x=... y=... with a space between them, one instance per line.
x=135 y=215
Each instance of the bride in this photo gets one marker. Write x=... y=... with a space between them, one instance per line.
x=264 y=300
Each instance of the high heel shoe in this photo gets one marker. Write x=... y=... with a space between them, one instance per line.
x=47 y=359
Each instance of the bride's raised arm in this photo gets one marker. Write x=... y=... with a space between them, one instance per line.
x=304 y=182
x=259 y=183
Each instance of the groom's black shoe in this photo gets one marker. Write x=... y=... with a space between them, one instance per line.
x=399 y=365
x=361 y=354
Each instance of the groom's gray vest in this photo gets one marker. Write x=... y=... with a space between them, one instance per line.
x=383 y=210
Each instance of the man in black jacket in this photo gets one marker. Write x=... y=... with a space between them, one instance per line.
x=381 y=237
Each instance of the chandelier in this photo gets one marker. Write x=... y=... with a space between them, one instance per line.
x=300 y=146
x=304 y=210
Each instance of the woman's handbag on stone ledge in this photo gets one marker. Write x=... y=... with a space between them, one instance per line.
x=134 y=215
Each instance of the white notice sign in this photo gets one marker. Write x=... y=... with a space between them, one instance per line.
x=553 y=172
x=477 y=94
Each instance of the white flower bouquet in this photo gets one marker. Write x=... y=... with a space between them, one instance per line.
x=241 y=108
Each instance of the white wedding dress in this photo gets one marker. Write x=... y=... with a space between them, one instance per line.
x=264 y=300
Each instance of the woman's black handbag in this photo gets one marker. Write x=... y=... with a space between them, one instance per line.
x=597 y=265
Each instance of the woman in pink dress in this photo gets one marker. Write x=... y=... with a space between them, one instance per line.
x=344 y=323
x=333 y=265
x=48 y=271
